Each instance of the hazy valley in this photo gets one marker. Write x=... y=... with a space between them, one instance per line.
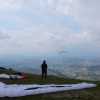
x=76 y=68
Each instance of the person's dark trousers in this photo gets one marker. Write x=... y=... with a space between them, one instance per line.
x=44 y=74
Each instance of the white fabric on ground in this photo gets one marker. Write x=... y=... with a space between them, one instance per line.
x=4 y=76
x=15 y=90
x=10 y=76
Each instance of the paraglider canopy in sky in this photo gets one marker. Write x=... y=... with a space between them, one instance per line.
x=63 y=52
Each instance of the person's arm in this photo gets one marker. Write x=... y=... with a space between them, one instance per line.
x=41 y=66
x=46 y=66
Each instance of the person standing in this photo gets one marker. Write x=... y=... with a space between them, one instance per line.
x=44 y=69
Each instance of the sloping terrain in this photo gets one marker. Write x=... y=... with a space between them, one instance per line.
x=85 y=94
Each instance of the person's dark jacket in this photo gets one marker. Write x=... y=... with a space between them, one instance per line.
x=44 y=67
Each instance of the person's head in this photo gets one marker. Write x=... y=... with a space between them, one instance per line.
x=44 y=62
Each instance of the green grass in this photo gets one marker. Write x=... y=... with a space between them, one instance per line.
x=85 y=94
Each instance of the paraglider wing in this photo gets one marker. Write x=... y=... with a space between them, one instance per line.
x=63 y=51
x=15 y=90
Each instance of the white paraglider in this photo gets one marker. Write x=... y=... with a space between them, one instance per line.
x=15 y=90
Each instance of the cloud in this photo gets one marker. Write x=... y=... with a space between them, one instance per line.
x=85 y=13
x=36 y=24
x=7 y=5
x=50 y=2
x=4 y=35
x=53 y=37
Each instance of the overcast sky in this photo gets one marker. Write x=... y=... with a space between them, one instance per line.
x=46 y=27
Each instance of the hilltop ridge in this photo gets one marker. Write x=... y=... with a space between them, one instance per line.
x=85 y=94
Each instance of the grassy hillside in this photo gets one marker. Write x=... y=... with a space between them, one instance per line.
x=85 y=94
